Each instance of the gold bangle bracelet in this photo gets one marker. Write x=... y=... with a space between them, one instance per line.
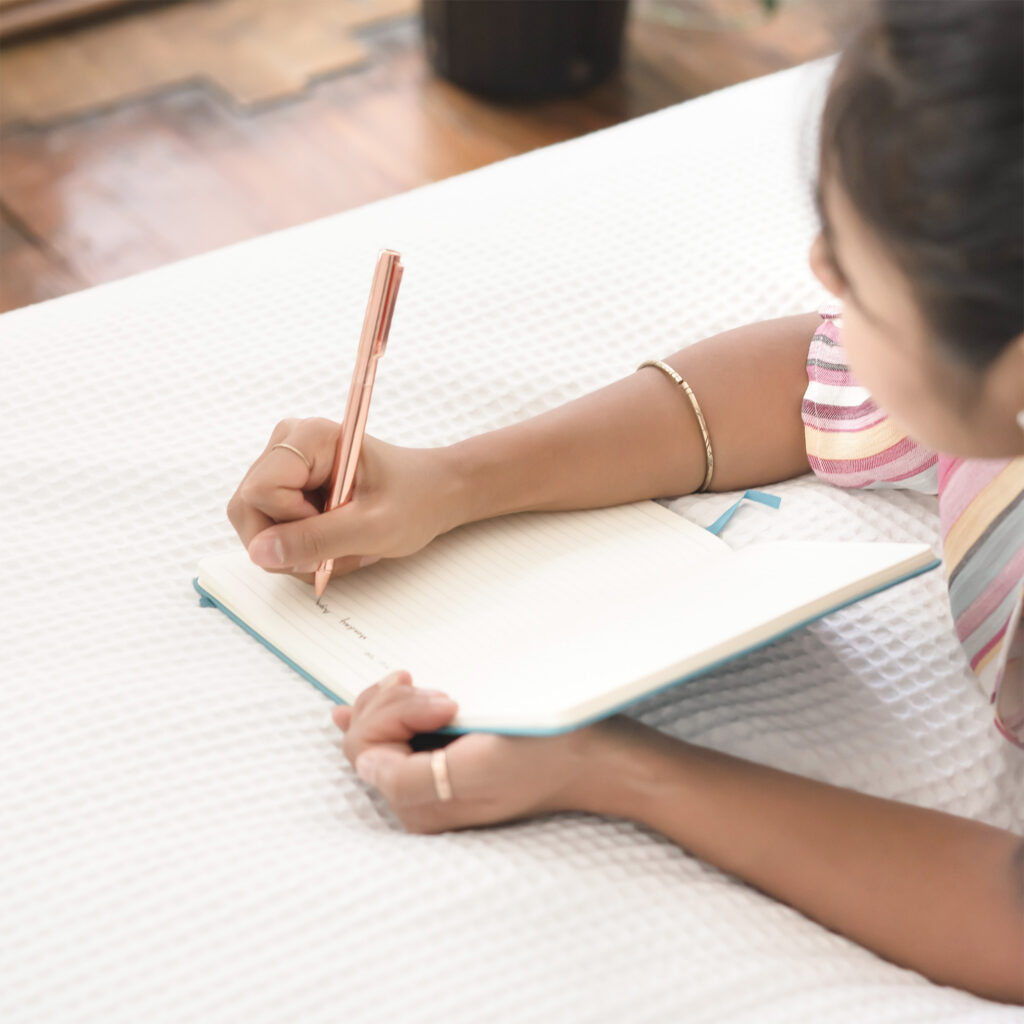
x=709 y=468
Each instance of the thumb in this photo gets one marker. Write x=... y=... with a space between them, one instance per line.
x=304 y=543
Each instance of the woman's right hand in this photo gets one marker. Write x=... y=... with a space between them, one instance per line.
x=402 y=499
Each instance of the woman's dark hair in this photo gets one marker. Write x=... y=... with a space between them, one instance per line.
x=923 y=129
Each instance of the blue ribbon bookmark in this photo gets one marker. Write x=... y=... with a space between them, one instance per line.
x=771 y=500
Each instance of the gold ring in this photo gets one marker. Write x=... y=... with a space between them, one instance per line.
x=439 y=766
x=292 y=448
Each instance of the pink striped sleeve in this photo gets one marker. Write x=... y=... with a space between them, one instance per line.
x=850 y=441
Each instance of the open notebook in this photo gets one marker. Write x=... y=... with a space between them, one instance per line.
x=542 y=621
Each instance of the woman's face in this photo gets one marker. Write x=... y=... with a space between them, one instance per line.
x=946 y=406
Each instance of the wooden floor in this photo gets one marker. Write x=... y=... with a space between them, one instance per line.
x=110 y=193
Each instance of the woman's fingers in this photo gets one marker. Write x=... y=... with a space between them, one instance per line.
x=370 y=695
x=316 y=439
x=303 y=544
x=278 y=484
x=342 y=716
x=247 y=521
x=397 y=715
x=389 y=714
x=404 y=779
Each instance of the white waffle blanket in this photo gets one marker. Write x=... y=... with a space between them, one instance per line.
x=181 y=838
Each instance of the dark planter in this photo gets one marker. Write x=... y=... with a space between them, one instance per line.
x=524 y=49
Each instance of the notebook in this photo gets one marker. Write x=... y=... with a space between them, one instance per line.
x=539 y=622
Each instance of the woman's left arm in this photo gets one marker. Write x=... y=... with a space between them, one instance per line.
x=939 y=894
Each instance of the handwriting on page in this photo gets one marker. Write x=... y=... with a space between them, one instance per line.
x=345 y=622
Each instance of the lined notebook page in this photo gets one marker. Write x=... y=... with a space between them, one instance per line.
x=488 y=613
x=540 y=621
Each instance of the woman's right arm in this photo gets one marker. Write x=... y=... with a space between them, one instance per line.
x=637 y=438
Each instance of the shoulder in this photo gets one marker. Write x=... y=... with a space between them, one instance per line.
x=1008 y=697
x=981 y=509
x=850 y=441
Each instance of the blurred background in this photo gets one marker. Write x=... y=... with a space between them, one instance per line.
x=137 y=133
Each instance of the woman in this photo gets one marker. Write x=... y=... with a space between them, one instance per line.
x=920 y=189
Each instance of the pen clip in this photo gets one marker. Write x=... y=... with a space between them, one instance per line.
x=381 y=342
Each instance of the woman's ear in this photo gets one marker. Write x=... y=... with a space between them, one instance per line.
x=823 y=268
x=1006 y=384
x=1018 y=349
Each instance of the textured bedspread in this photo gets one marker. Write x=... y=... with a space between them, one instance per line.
x=181 y=838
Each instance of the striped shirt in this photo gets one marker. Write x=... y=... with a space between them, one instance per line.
x=852 y=443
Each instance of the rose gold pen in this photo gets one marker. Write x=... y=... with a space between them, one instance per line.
x=372 y=342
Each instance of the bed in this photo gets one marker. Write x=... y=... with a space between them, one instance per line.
x=181 y=838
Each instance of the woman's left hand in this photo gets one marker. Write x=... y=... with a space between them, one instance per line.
x=493 y=777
